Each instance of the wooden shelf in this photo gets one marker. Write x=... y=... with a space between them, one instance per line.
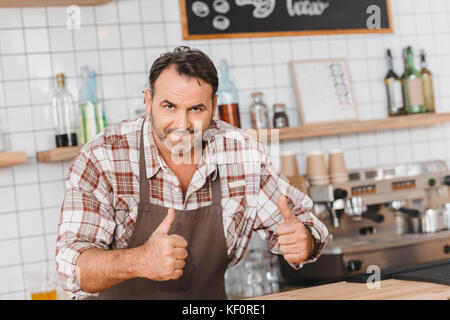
x=50 y=3
x=58 y=154
x=12 y=158
x=343 y=127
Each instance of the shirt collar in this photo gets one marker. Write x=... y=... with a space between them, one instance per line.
x=154 y=161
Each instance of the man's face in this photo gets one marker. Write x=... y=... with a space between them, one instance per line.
x=180 y=110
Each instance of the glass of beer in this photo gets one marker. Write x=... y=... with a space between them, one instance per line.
x=41 y=285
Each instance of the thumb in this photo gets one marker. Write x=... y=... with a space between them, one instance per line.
x=284 y=209
x=165 y=225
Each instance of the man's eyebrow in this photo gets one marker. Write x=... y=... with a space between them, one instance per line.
x=199 y=105
x=168 y=102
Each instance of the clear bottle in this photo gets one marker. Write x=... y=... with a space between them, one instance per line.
x=91 y=115
x=228 y=100
x=394 y=92
x=280 y=118
x=100 y=115
x=64 y=115
x=412 y=85
x=427 y=83
x=258 y=110
x=87 y=109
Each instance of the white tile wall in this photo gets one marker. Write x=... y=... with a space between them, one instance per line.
x=121 y=40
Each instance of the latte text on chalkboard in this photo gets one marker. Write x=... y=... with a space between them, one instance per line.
x=208 y=19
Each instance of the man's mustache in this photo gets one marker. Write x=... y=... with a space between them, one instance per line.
x=179 y=132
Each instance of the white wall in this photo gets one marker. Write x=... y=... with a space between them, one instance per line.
x=121 y=40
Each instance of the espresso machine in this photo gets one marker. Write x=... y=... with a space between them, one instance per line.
x=389 y=217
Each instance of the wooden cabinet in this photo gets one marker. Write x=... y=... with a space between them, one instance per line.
x=50 y=3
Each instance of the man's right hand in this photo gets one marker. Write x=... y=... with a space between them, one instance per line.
x=162 y=255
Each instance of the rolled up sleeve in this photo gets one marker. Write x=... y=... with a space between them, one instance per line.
x=273 y=185
x=86 y=220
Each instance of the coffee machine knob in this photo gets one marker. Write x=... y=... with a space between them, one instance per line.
x=340 y=194
x=431 y=182
x=446 y=249
x=354 y=265
x=447 y=180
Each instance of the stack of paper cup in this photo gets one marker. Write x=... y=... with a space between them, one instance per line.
x=289 y=168
x=338 y=171
x=316 y=169
x=289 y=164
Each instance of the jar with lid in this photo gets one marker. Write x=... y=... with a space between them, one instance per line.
x=280 y=118
x=228 y=99
x=258 y=110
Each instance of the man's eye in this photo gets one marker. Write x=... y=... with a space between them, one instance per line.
x=196 y=109
x=168 y=107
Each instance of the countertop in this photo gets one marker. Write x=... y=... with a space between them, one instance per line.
x=390 y=289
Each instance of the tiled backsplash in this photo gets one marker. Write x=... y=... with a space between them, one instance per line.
x=120 y=41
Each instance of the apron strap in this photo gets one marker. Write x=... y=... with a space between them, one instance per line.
x=143 y=181
x=216 y=193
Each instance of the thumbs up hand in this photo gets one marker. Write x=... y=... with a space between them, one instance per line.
x=162 y=256
x=294 y=239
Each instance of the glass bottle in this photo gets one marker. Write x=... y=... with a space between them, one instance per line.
x=64 y=115
x=258 y=110
x=280 y=118
x=427 y=83
x=412 y=85
x=92 y=114
x=394 y=92
x=100 y=115
x=228 y=100
x=87 y=109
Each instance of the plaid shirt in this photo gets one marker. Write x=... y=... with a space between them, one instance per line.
x=102 y=193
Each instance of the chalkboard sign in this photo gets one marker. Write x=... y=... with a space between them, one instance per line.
x=209 y=19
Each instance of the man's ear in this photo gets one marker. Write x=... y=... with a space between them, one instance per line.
x=148 y=101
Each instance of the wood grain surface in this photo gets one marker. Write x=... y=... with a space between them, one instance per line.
x=389 y=290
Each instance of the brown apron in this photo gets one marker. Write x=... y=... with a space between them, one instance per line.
x=203 y=275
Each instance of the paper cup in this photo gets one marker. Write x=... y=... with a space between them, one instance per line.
x=319 y=182
x=315 y=165
x=336 y=163
x=289 y=165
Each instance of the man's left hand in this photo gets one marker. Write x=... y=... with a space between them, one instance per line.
x=295 y=240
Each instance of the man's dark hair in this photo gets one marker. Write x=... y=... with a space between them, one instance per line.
x=187 y=61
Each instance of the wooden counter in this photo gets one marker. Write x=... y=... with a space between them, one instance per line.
x=389 y=290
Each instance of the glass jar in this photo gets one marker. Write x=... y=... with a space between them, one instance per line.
x=258 y=110
x=280 y=118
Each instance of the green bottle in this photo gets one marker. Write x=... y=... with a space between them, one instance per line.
x=412 y=85
x=427 y=83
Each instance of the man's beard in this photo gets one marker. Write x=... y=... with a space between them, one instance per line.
x=185 y=144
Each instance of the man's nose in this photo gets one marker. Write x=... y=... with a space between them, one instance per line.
x=182 y=121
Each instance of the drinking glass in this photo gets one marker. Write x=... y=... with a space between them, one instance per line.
x=41 y=285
